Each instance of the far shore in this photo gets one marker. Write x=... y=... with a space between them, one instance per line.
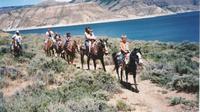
x=95 y=22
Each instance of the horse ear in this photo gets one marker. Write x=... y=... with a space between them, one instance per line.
x=106 y=39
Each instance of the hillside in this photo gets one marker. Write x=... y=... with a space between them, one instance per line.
x=33 y=82
x=79 y=11
x=56 y=14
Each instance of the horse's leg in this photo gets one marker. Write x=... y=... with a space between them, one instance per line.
x=71 y=59
x=126 y=72
x=121 y=74
x=68 y=60
x=134 y=77
x=103 y=65
x=82 y=60
x=94 y=61
x=62 y=55
x=117 y=70
x=88 y=62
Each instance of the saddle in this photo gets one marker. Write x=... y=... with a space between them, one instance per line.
x=122 y=58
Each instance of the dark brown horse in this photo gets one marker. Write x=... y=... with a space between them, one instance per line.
x=98 y=51
x=130 y=67
x=70 y=49
x=16 y=50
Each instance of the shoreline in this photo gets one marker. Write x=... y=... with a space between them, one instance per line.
x=97 y=22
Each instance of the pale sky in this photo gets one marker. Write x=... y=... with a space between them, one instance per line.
x=4 y=3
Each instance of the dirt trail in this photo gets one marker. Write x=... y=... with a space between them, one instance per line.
x=151 y=98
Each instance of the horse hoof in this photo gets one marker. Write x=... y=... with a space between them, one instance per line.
x=137 y=91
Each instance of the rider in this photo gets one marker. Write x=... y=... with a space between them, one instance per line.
x=17 y=38
x=89 y=38
x=124 y=49
x=49 y=35
x=58 y=40
x=68 y=38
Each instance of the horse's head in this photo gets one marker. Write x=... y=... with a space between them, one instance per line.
x=104 y=45
x=136 y=56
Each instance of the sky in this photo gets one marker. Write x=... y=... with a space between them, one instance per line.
x=5 y=3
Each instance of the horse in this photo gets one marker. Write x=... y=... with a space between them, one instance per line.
x=15 y=48
x=59 y=48
x=70 y=49
x=130 y=67
x=97 y=52
x=49 y=47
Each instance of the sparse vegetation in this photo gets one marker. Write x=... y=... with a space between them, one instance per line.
x=87 y=91
x=180 y=100
x=122 y=106
x=172 y=66
x=58 y=86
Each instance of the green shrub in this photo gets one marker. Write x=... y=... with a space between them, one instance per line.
x=4 y=41
x=28 y=55
x=4 y=50
x=46 y=64
x=180 y=100
x=158 y=73
x=122 y=106
x=166 y=75
x=101 y=95
x=84 y=105
x=184 y=66
x=188 y=83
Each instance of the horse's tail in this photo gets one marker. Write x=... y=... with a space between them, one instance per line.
x=114 y=59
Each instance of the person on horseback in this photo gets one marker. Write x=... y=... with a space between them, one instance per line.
x=68 y=38
x=49 y=35
x=90 y=38
x=58 y=40
x=124 y=49
x=17 y=37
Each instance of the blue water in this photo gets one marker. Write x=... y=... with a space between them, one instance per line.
x=176 y=28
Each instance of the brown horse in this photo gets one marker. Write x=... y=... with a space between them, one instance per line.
x=49 y=47
x=70 y=49
x=16 y=50
x=59 y=47
x=98 y=50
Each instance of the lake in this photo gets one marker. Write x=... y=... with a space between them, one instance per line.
x=174 y=28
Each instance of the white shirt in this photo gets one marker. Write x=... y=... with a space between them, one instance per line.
x=18 y=38
x=49 y=33
x=88 y=36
